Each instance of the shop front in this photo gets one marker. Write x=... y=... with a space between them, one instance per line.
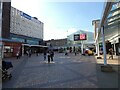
x=11 y=49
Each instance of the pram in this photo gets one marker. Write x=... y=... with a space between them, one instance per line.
x=5 y=66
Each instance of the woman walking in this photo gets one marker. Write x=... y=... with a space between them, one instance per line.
x=51 y=55
x=111 y=53
x=45 y=55
x=48 y=55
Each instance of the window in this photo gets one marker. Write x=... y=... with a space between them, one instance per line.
x=8 y=49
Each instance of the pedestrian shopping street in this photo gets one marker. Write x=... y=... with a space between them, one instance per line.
x=64 y=72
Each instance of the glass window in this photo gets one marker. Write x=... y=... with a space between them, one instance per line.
x=8 y=49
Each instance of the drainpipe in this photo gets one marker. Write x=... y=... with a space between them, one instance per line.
x=104 y=45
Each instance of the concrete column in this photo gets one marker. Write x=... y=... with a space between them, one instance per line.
x=1 y=44
x=1 y=6
x=82 y=51
x=22 y=50
x=104 y=45
x=114 y=48
x=96 y=48
x=98 y=53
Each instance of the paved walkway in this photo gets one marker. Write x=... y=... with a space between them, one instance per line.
x=115 y=62
x=65 y=72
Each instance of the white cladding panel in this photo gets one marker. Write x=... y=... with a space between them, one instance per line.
x=24 y=24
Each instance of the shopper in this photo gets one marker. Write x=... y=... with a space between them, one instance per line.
x=30 y=53
x=75 y=52
x=48 y=55
x=18 y=55
x=51 y=55
x=111 y=53
x=45 y=54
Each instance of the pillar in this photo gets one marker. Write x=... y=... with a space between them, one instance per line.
x=114 y=48
x=104 y=45
x=82 y=51
x=22 y=50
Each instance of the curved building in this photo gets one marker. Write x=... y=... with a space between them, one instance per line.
x=87 y=43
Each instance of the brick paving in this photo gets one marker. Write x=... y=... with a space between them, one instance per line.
x=65 y=72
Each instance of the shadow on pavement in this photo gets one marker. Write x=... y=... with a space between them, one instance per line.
x=107 y=79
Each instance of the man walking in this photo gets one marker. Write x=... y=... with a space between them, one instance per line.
x=18 y=55
x=45 y=55
x=48 y=55
x=51 y=55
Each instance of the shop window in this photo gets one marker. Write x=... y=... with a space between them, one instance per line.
x=8 y=49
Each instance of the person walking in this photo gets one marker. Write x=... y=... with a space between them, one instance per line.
x=27 y=53
x=48 y=55
x=37 y=53
x=30 y=52
x=111 y=53
x=51 y=55
x=75 y=52
x=18 y=55
x=66 y=52
x=45 y=54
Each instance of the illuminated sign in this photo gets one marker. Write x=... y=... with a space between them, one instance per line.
x=76 y=37
x=83 y=37
x=26 y=15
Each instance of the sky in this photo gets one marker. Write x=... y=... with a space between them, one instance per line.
x=61 y=18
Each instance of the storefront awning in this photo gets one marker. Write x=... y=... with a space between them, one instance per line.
x=9 y=40
x=34 y=45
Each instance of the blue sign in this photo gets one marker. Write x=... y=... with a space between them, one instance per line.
x=26 y=16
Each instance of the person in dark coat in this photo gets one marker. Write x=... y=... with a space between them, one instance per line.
x=51 y=55
x=45 y=54
x=30 y=53
x=48 y=55
x=111 y=53
x=18 y=55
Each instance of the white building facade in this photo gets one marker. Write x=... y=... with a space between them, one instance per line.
x=20 y=32
x=25 y=28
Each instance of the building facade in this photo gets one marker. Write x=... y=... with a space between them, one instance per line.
x=56 y=43
x=95 y=24
x=29 y=29
x=25 y=28
x=79 y=44
x=89 y=38
x=111 y=26
x=20 y=31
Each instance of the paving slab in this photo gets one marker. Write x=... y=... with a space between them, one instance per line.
x=64 y=72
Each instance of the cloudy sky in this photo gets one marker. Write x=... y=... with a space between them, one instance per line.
x=61 y=18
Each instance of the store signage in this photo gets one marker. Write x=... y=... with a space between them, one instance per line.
x=26 y=16
x=80 y=37
x=76 y=37
x=83 y=36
